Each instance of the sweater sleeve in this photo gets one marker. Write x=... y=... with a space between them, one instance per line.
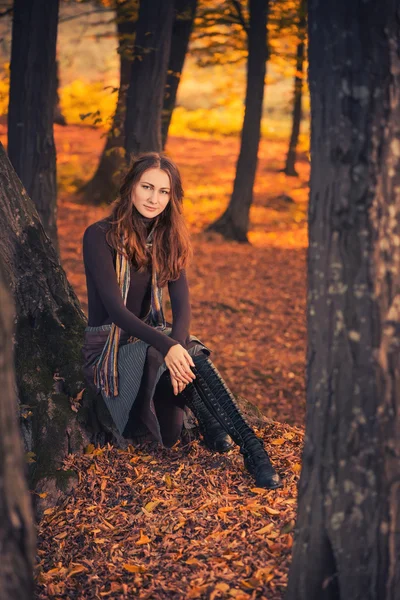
x=98 y=261
x=181 y=310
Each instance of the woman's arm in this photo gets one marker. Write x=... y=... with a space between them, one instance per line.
x=98 y=260
x=181 y=310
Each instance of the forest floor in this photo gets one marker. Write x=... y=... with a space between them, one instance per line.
x=181 y=523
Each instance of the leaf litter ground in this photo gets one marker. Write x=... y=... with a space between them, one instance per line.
x=151 y=522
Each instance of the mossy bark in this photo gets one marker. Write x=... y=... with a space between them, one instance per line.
x=17 y=533
x=48 y=337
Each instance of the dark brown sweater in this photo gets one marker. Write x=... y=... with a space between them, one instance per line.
x=105 y=303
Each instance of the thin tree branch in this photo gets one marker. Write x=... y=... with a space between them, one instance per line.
x=8 y=11
x=85 y=14
x=238 y=8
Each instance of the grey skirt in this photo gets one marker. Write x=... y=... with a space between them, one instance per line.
x=140 y=367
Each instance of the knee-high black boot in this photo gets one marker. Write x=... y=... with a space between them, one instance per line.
x=214 y=435
x=216 y=396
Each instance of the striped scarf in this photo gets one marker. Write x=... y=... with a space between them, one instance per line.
x=106 y=367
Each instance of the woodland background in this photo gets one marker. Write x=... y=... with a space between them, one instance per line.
x=85 y=513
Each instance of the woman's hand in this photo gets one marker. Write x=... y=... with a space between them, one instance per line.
x=177 y=385
x=179 y=361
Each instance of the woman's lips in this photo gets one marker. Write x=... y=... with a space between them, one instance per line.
x=150 y=208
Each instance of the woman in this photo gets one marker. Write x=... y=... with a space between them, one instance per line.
x=146 y=369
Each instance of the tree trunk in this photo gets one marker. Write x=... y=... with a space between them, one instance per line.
x=148 y=76
x=17 y=534
x=290 y=167
x=181 y=30
x=48 y=339
x=234 y=222
x=347 y=542
x=103 y=186
x=59 y=118
x=31 y=145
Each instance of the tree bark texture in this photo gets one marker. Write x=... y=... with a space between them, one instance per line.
x=17 y=533
x=234 y=222
x=347 y=542
x=148 y=76
x=290 y=166
x=31 y=145
x=103 y=186
x=185 y=12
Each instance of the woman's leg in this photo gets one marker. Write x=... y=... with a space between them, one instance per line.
x=169 y=410
x=209 y=389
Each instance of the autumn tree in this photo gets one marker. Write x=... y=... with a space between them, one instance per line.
x=17 y=534
x=31 y=145
x=233 y=224
x=185 y=11
x=290 y=166
x=103 y=186
x=145 y=94
x=347 y=542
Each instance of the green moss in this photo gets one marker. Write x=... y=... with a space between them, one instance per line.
x=63 y=479
x=44 y=348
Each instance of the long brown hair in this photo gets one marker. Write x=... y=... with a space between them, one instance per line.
x=171 y=248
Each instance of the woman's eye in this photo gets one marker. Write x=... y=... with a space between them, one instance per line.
x=146 y=187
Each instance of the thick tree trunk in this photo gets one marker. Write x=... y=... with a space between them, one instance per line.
x=48 y=340
x=290 y=167
x=148 y=76
x=347 y=542
x=185 y=11
x=234 y=222
x=103 y=186
x=17 y=533
x=31 y=145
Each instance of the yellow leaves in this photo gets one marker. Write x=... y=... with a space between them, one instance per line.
x=265 y=529
x=257 y=490
x=278 y=441
x=143 y=539
x=131 y=568
x=150 y=506
x=168 y=481
x=29 y=457
x=194 y=562
x=91 y=449
x=271 y=511
x=197 y=591
x=222 y=587
x=225 y=509
x=77 y=568
x=61 y=536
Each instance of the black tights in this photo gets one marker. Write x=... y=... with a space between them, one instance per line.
x=169 y=410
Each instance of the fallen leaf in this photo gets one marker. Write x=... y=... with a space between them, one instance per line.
x=144 y=539
x=134 y=568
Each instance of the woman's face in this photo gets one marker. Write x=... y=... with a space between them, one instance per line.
x=152 y=192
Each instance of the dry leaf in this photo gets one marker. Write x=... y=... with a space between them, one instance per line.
x=134 y=568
